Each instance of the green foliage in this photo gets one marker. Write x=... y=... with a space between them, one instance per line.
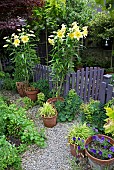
x=102 y=26
x=22 y=47
x=40 y=98
x=69 y=108
x=49 y=16
x=43 y=86
x=109 y=125
x=47 y=110
x=9 y=157
x=78 y=134
x=8 y=83
x=93 y=113
x=81 y=11
x=19 y=126
x=25 y=102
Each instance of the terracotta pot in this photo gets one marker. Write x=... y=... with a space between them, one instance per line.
x=21 y=88
x=50 y=121
x=32 y=94
x=75 y=152
x=54 y=99
x=99 y=163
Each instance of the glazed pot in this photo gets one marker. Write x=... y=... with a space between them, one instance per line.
x=99 y=163
x=50 y=121
x=32 y=94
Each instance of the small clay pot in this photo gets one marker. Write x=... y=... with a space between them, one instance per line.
x=50 y=121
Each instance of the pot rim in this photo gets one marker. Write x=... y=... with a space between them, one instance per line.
x=94 y=158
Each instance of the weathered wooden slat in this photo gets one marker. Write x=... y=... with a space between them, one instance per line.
x=97 y=83
x=94 y=82
x=86 y=84
x=67 y=85
x=90 y=84
x=102 y=92
x=73 y=80
x=82 y=83
x=77 y=82
x=109 y=92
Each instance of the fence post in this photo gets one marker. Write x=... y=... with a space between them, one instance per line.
x=107 y=79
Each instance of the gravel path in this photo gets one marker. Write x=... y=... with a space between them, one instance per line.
x=56 y=156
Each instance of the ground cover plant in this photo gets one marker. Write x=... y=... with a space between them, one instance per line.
x=18 y=131
x=69 y=108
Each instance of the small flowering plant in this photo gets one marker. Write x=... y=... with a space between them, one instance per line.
x=100 y=147
x=66 y=44
x=78 y=134
x=22 y=47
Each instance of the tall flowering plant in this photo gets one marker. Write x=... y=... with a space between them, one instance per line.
x=22 y=48
x=66 y=43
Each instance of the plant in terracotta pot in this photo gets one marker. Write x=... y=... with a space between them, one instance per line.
x=22 y=47
x=66 y=44
x=49 y=114
x=76 y=138
x=100 y=151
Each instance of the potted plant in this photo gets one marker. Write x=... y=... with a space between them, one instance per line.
x=76 y=138
x=66 y=44
x=100 y=151
x=24 y=54
x=49 y=114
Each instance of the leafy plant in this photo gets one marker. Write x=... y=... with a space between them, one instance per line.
x=9 y=157
x=93 y=113
x=66 y=44
x=19 y=126
x=25 y=102
x=22 y=48
x=40 y=98
x=78 y=134
x=43 y=86
x=69 y=108
x=47 y=110
x=109 y=126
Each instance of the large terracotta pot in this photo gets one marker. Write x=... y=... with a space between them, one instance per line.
x=99 y=163
x=21 y=88
x=55 y=99
x=75 y=152
x=32 y=94
x=50 y=121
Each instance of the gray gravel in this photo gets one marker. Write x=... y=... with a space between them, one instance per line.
x=56 y=155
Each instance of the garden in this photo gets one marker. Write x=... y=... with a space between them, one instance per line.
x=57 y=117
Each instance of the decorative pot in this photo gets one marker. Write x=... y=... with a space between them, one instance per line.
x=75 y=152
x=50 y=121
x=55 y=99
x=21 y=88
x=32 y=94
x=96 y=163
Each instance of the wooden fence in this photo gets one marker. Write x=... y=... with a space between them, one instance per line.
x=88 y=83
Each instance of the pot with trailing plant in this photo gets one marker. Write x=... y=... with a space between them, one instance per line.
x=100 y=151
x=76 y=138
x=66 y=44
x=49 y=114
x=24 y=54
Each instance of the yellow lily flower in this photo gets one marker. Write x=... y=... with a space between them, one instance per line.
x=24 y=39
x=16 y=42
